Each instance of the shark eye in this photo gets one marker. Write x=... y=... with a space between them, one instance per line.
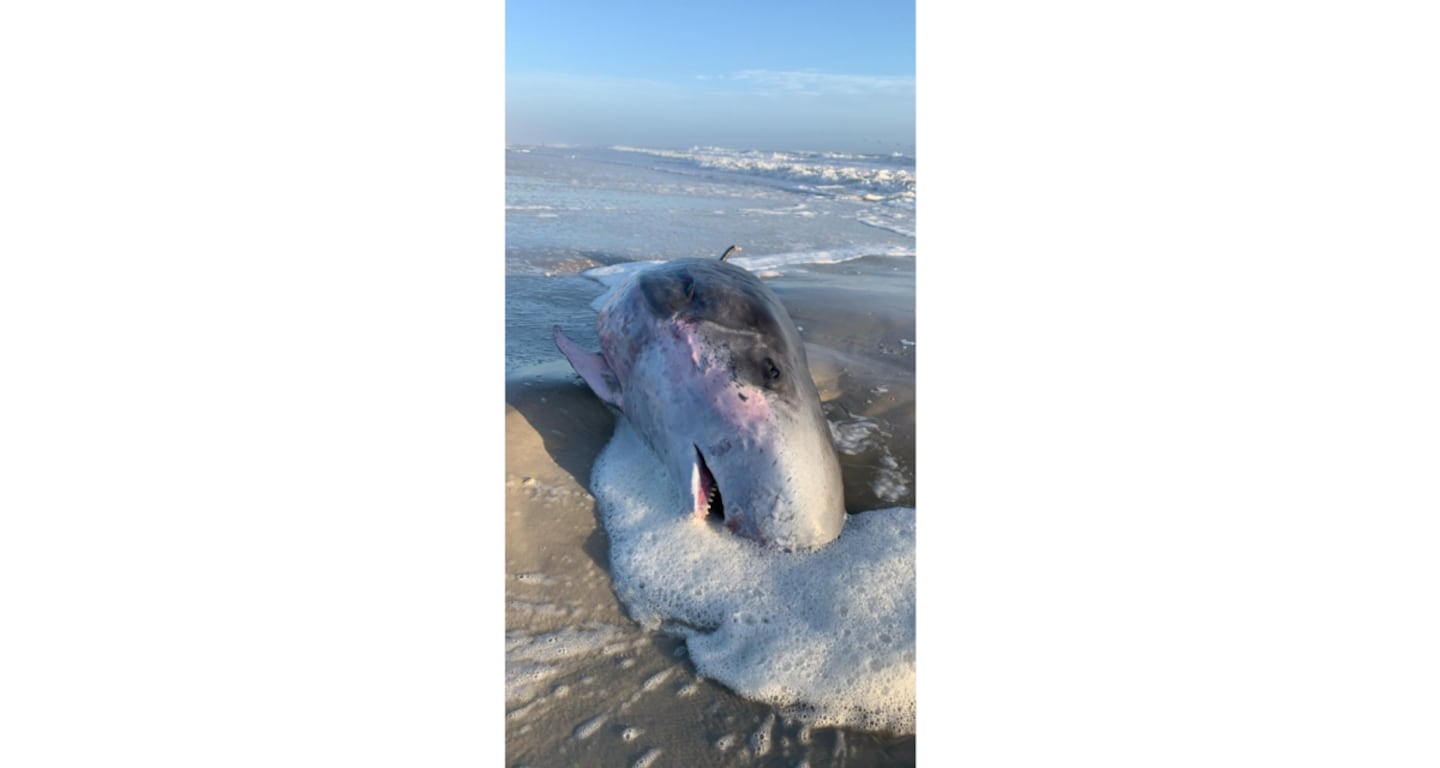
x=771 y=372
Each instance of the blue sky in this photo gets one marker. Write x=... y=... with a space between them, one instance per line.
x=834 y=75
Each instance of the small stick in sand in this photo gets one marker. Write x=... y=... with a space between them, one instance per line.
x=729 y=251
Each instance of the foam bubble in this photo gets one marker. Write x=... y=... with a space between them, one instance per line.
x=588 y=728
x=648 y=759
x=656 y=679
x=827 y=636
x=858 y=435
x=761 y=738
x=889 y=484
x=855 y=435
x=533 y=660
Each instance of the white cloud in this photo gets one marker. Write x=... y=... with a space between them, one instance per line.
x=823 y=83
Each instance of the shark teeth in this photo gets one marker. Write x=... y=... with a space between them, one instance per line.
x=705 y=490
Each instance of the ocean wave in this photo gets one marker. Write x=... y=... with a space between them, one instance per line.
x=800 y=210
x=899 y=227
x=771 y=264
x=825 y=171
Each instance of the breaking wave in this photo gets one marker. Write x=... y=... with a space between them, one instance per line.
x=867 y=177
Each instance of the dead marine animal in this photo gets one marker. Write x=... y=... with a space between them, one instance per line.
x=708 y=367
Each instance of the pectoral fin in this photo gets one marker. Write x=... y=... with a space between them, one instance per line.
x=592 y=368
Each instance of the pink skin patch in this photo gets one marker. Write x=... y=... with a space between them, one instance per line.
x=684 y=330
x=700 y=485
x=700 y=376
x=744 y=406
x=744 y=409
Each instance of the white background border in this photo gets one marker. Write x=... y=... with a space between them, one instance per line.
x=1177 y=355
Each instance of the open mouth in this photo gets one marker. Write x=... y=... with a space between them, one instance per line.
x=706 y=491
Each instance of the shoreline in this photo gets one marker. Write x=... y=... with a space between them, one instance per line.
x=585 y=684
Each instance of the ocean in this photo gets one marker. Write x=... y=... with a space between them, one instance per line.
x=596 y=679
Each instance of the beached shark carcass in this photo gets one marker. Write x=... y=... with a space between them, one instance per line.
x=703 y=360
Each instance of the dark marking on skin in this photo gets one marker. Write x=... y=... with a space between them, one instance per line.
x=734 y=298
x=734 y=303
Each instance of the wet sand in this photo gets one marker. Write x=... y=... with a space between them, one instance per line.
x=584 y=684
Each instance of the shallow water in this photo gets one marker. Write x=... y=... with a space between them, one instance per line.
x=585 y=683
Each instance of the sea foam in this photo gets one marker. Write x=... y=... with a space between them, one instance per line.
x=860 y=174
x=827 y=636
